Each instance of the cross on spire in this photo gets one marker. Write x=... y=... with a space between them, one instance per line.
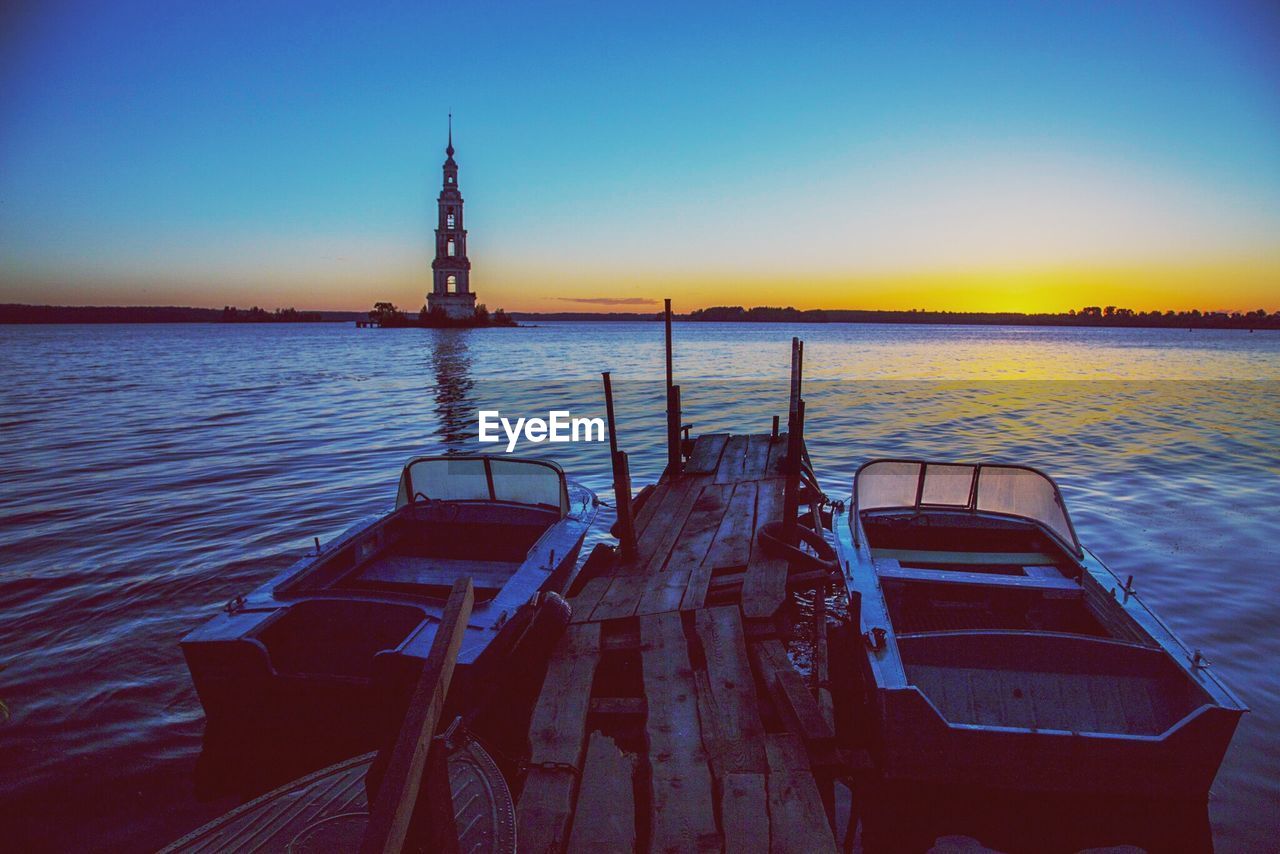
x=449 y=150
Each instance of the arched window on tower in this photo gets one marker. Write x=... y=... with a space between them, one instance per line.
x=451 y=285
x=448 y=220
x=452 y=249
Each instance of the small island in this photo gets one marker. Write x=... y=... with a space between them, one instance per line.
x=386 y=315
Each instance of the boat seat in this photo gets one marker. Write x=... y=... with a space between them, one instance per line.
x=968 y=558
x=438 y=571
x=892 y=569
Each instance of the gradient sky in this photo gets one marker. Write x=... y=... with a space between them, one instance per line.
x=953 y=155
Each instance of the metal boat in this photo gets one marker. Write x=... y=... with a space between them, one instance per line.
x=1001 y=653
x=344 y=631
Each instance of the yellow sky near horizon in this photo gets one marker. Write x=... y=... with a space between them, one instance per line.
x=1225 y=285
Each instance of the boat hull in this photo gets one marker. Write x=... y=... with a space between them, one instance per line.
x=918 y=745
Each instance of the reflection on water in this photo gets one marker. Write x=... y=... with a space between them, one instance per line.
x=152 y=472
x=451 y=370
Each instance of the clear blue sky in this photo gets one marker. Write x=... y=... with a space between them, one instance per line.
x=998 y=155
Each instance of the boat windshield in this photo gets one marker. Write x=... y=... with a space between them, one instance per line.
x=1007 y=490
x=482 y=478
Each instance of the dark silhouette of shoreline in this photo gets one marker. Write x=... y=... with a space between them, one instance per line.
x=1088 y=317
x=17 y=313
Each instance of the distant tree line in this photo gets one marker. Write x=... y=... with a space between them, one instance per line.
x=1088 y=316
x=231 y=314
x=388 y=316
x=16 y=313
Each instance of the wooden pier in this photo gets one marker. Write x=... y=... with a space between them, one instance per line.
x=670 y=718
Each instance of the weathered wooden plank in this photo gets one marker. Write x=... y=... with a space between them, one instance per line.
x=800 y=707
x=545 y=810
x=770 y=655
x=744 y=810
x=765 y=588
x=711 y=735
x=735 y=710
x=650 y=507
x=397 y=794
x=556 y=727
x=695 y=542
x=757 y=458
x=588 y=598
x=621 y=598
x=797 y=705
x=557 y=734
x=618 y=706
x=706 y=453
x=604 y=818
x=681 y=810
x=797 y=818
x=786 y=752
x=667 y=588
x=732 y=460
x=665 y=528
x=629 y=585
x=732 y=544
x=777 y=465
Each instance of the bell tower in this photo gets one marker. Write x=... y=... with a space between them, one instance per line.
x=451 y=269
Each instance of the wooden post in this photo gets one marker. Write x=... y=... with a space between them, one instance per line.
x=774 y=437
x=791 y=490
x=392 y=809
x=670 y=380
x=674 y=464
x=675 y=460
x=622 y=497
x=608 y=411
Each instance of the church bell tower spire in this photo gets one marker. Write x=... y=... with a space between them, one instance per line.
x=451 y=269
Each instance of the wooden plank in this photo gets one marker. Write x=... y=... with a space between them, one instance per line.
x=744 y=809
x=546 y=807
x=786 y=752
x=799 y=706
x=732 y=460
x=682 y=816
x=618 y=706
x=706 y=453
x=397 y=794
x=650 y=508
x=620 y=599
x=556 y=734
x=731 y=545
x=588 y=598
x=757 y=458
x=777 y=465
x=667 y=588
x=695 y=542
x=736 y=714
x=555 y=729
x=765 y=588
x=797 y=817
x=604 y=818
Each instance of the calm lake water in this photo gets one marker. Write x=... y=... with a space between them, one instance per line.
x=150 y=473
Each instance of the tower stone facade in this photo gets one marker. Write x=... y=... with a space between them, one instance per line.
x=451 y=269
